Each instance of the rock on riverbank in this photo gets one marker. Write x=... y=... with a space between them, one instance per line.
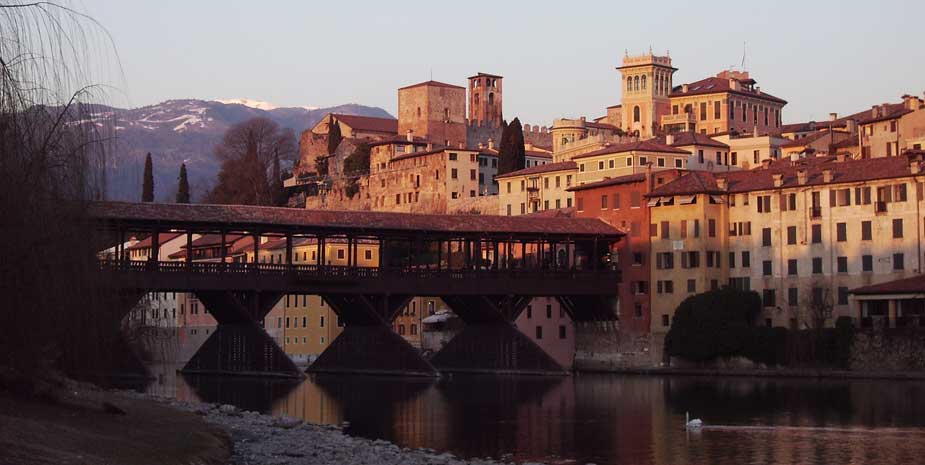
x=264 y=439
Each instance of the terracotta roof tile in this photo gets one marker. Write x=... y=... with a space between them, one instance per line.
x=547 y=168
x=628 y=179
x=682 y=139
x=915 y=284
x=369 y=123
x=763 y=178
x=432 y=84
x=246 y=217
x=650 y=145
x=713 y=85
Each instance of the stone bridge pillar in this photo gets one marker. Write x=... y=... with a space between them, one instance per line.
x=490 y=342
x=368 y=344
x=239 y=344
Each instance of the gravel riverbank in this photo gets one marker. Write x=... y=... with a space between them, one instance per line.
x=268 y=440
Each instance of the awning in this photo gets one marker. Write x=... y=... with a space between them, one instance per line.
x=717 y=198
x=686 y=199
x=654 y=202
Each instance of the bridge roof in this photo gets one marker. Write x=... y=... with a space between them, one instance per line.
x=302 y=221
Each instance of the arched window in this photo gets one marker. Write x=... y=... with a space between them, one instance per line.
x=643 y=82
x=629 y=83
x=419 y=112
x=636 y=117
x=476 y=98
x=491 y=98
x=636 y=82
x=446 y=114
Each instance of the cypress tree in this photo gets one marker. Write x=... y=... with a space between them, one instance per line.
x=183 y=187
x=512 y=155
x=147 y=188
x=334 y=135
x=277 y=192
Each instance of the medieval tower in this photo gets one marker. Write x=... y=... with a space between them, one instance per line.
x=485 y=100
x=434 y=111
x=646 y=81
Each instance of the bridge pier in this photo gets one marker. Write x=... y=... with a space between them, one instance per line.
x=368 y=344
x=239 y=345
x=490 y=342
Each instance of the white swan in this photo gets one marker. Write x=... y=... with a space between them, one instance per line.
x=696 y=423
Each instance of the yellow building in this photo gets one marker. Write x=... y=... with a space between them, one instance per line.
x=800 y=231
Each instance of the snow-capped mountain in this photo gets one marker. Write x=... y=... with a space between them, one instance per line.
x=258 y=104
x=178 y=131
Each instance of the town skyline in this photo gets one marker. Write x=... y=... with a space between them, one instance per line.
x=571 y=73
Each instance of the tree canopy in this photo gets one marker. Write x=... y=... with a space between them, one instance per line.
x=712 y=325
x=511 y=155
x=147 y=186
x=248 y=152
x=183 y=186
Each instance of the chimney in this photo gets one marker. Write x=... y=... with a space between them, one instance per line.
x=833 y=116
x=430 y=146
x=481 y=146
x=801 y=177
x=827 y=175
x=841 y=157
x=766 y=163
x=911 y=102
x=410 y=136
x=733 y=84
x=915 y=166
x=778 y=179
x=669 y=139
x=874 y=111
x=757 y=89
x=491 y=143
x=684 y=88
x=462 y=145
x=721 y=184
x=794 y=158
x=583 y=119
x=851 y=126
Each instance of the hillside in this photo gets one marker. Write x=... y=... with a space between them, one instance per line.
x=186 y=130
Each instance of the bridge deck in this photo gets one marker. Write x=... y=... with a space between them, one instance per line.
x=315 y=279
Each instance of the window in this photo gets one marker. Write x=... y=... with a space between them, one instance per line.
x=732 y=259
x=616 y=201
x=793 y=295
x=711 y=227
x=764 y=204
x=766 y=237
x=635 y=199
x=664 y=260
x=767 y=296
x=898 y=262
x=792 y=234
x=690 y=259
x=867 y=263
x=665 y=321
x=604 y=202
x=703 y=111
x=529 y=311
x=842 y=263
x=866 y=234
x=548 y=311
x=454 y=173
x=678 y=163
x=817 y=265
x=792 y=267
x=746 y=259
x=581 y=204
x=636 y=117
x=842 y=296
x=691 y=285
x=841 y=232
x=452 y=156
x=766 y=268
x=897 y=228
x=716 y=110
x=817 y=233
x=561 y=331
x=666 y=230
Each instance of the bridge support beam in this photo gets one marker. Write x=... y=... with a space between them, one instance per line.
x=368 y=345
x=490 y=343
x=239 y=345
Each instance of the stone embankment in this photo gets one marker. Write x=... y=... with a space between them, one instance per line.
x=264 y=439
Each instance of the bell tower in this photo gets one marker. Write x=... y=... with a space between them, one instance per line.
x=646 y=82
x=485 y=100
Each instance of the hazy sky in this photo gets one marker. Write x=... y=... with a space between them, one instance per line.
x=557 y=58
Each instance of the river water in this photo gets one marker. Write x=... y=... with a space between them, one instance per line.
x=599 y=418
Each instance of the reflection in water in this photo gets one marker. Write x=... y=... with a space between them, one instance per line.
x=604 y=419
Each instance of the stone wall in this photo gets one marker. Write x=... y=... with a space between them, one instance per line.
x=888 y=350
x=311 y=146
x=533 y=134
x=601 y=345
x=481 y=205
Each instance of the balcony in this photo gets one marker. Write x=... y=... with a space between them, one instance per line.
x=679 y=118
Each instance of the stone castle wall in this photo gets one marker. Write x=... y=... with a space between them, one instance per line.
x=601 y=345
x=479 y=134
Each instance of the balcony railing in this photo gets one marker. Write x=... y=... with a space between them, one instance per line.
x=679 y=118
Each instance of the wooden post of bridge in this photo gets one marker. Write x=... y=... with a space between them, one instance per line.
x=224 y=252
x=350 y=252
x=288 y=252
x=189 y=249
x=256 y=249
x=155 y=248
